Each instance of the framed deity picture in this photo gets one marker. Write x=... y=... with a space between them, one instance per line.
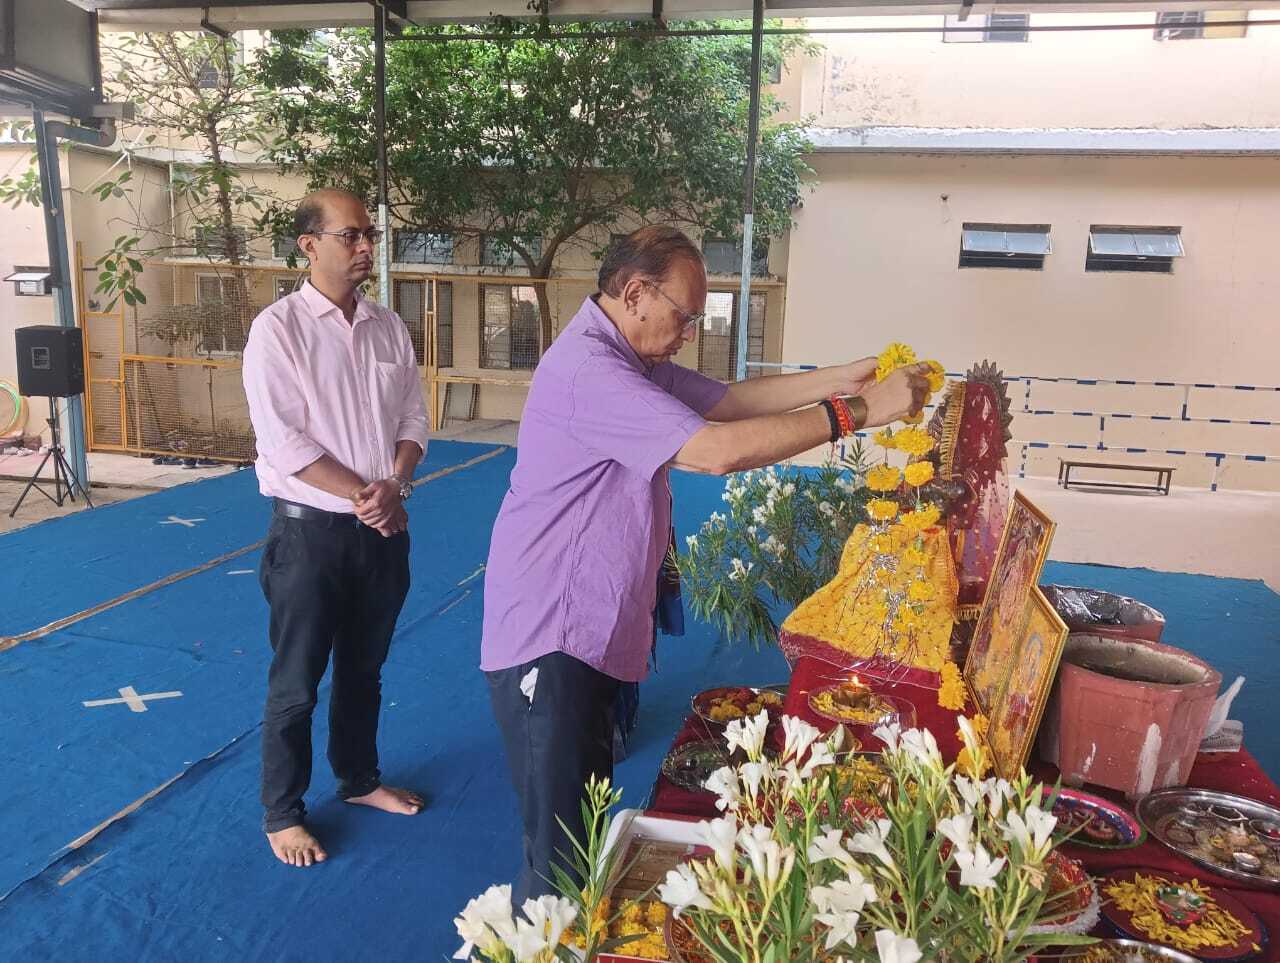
x=1017 y=711
x=999 y=632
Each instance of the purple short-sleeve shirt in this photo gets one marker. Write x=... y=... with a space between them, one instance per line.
x=573 y=565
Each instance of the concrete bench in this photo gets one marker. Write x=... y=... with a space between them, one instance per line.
x=1163 y=473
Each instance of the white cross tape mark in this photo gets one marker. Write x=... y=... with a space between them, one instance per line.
x=457 y=601
x=241 y=571
x=185 y=522
x=130 y=697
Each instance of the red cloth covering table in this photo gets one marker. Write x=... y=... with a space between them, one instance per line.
x=1235 y=772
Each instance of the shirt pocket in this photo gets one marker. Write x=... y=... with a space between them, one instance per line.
x=393 y=382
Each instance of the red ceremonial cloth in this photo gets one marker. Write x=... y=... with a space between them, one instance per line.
x=1233 y=772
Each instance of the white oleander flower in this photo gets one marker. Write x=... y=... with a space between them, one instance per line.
x=789 y=488
x=826 y=508
x=893 y=948
x=977 y=869
x=724 y=783
x=958 y=829
x=759 y=515
x=748 y=733
x=770 y=860
x=1032 y=831
x=921 y=746
x=798 y=736
x=890 y=734
x=721 y=835
x=528 y=942
x=692 y=542
x=550 y=915
x=829 y=846
x=681 y=889
x=871 y=842
x=753 y=775
x=485 y=922
x=971 y=792
x=738 y=571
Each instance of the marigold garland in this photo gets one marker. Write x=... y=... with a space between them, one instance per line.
x=884 y=478
x=882 y=509
x=919 y=473
x=1217 y=928
x=920 y=519
x=896 y=356
x=952 y=694
x=914 y=441
x=937 y=377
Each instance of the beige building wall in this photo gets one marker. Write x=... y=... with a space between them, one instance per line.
x=875 y=255
x=1105 y=79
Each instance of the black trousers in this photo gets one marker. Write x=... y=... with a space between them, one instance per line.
x=332 y=588
x=553 y=745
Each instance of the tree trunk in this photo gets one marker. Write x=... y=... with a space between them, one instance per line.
x=227 y=222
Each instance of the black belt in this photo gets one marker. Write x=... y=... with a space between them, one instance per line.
x=318 y=515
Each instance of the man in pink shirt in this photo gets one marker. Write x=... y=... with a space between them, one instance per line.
x=571 y=584
x=337 y=407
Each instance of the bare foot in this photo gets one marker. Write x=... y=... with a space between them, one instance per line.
x=296 y=846
x=389 y=799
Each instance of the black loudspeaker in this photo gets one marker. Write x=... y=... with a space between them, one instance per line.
x=50 y=361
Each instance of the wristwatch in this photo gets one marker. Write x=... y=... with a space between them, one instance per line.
x=406 y=489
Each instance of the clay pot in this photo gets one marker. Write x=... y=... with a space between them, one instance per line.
x=1105 y=613
x=1127 y=715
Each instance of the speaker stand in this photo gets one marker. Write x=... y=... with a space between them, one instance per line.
x=65 y=481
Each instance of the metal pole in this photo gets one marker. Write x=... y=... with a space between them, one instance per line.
x=55 y=232
x=749 y=188
x=380 y=118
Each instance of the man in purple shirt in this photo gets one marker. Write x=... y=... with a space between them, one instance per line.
x=571 y=583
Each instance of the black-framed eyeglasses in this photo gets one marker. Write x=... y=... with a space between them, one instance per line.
x=688 y=322
x=351 y=236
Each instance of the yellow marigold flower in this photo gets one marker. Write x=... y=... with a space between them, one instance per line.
x=884 y=478
x=920 y=519
x=896 y=356
x=882 y=509
x=882 y=544
x=937 y=376
x=906 y=620
x=913 y=557
x=878 y=612
x=914 y=441
x=919 y=473
x=951 y=694
x=882 y=576
x=920 y=591
x=884 y=438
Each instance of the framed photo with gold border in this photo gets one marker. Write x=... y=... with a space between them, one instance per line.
x=1018 y=709
x=999 y=631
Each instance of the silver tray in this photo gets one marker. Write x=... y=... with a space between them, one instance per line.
x=1152 y=949
x=1159 y=810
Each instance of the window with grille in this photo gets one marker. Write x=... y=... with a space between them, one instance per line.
x=495 y=252
x=422 y=247
x=283 y=245
x=1149 y=250
x=444 y=321
x=1007 y=28
x=212 y=242
x=210 y=77
x=509 y=327
x=1180 y=25
x=724 y=256
x=283 y=286
x=1004 y=246
x=412 y=300
x=718 y=339
x=222 y=329
x=982 y=28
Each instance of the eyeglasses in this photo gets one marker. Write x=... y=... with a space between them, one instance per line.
x=351 y=236
x=688 y=322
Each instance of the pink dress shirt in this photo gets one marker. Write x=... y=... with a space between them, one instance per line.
x=319 y=386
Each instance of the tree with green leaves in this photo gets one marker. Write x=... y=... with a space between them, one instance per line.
x=191 y=93
x=538 y=136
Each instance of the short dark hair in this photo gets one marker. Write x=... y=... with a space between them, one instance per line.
x=309 y=216
x=649 y=252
